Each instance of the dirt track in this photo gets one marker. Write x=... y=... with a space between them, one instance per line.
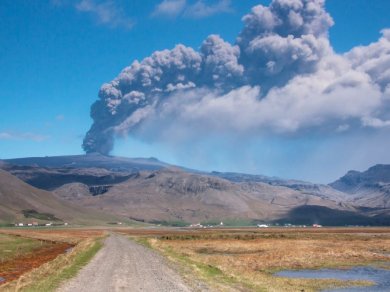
x=123 y=265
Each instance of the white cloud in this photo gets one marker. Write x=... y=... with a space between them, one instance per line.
x=22 y=136
x=374 y=59
x=5 y=136
x=106 y=12
x=375 y=122
x=200 y=9
x=169 y=8
x=343 y=128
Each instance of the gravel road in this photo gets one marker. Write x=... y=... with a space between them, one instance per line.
x=123 y=265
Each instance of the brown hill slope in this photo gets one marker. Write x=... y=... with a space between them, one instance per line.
x=167 y=195
x=18 y=200
x=52 y=178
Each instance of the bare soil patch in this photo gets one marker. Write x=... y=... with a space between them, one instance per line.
x=14 y=268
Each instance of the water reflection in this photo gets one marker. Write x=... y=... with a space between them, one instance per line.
x=380 y=277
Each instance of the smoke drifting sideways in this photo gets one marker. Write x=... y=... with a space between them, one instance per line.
x=281 y=77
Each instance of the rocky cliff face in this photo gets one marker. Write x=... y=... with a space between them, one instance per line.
x=370 y=188
x=353 y=181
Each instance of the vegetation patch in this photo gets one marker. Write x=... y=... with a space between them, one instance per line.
x=49 y=275
x=27 y=256
x=41 y=216
x=173 y=223
x=51 y=282
x=246 y=259
x=15 y=246
x=143 y=241
x=206 y=272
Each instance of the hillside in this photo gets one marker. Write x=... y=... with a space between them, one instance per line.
x=52 y=178
x=154 y=191
x=18 y=200
x=50 y=173
x=168 y=195
x=301 y=186
x=370 y=188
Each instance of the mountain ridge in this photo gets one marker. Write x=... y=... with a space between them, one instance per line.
x=167 y=195
x=154 y=191
x=370 y=188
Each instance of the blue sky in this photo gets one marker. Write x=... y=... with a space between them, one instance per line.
x=55 y=55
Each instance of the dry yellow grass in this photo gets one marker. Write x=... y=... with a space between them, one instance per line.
x=250 y=263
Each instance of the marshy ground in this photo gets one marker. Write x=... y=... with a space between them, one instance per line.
x=247 y=259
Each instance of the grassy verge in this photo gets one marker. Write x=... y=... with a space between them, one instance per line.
x=51 y=275
x=53 y=281
x=190 y=269
x=208 y=273
x=143 y=241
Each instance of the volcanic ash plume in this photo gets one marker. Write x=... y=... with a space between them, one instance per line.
x=280 y=77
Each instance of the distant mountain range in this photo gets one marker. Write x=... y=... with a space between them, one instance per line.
x=92 y=160
x=153 y=191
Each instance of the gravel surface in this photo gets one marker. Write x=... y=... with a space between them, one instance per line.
x=123 y=265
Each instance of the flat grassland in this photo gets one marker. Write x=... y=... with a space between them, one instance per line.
x=239 y=259
x=40 y=259
x=245 y=259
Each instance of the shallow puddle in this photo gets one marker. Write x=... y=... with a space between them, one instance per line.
x=380 y=277
x=69 y=250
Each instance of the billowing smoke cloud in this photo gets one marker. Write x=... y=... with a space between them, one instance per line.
x=281 y=77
